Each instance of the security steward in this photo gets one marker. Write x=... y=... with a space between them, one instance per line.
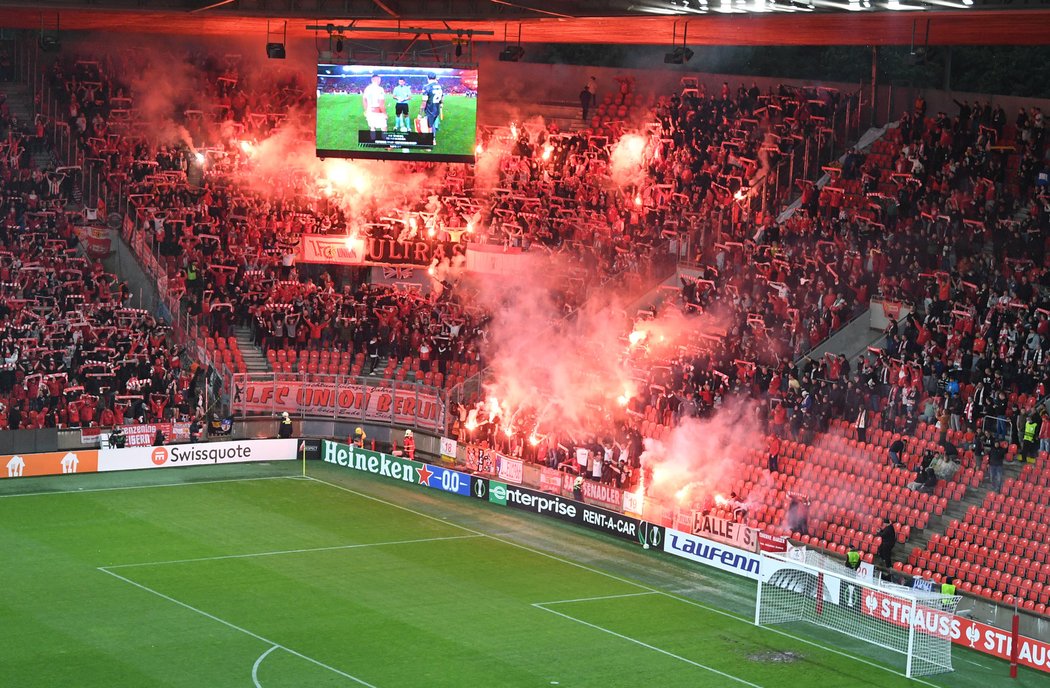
x=284 y=431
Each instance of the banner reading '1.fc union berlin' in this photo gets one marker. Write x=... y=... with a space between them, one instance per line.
x=401 y=405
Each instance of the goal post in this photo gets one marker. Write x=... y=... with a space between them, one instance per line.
x=825 y=593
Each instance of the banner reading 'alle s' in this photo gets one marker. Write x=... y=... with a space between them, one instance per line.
x=361 y=402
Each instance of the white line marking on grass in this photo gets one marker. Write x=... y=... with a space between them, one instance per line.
x=147 y=487
x=291 y=551
x=255 y=667
x=602 y=597
x=978 y=664
x=490 y=536
x=724 y=613
x=235 y=627
x=771 y=629
x=680 y=658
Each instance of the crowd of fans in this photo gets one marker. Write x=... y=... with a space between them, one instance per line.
x=72 y=353
x=949 y=216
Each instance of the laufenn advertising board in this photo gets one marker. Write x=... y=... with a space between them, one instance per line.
x=715 y=554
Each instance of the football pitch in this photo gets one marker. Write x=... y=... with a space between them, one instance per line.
x=256 y=576
x=340 y=116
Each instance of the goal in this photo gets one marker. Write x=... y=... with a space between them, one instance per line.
x=825 y=593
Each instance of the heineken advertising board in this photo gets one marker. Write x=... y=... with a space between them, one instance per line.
x=494 y=491
x=395 y=467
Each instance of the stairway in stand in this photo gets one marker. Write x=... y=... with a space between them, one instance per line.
x=20 y=105
x=254 y=358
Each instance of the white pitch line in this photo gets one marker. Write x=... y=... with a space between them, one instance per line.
x=489 y=536
x=148 y=487
x=255 y=667
x=290 y=551
x=636 y=584
x=235 y=627
x=593 y=599
x=771 y=629
x=596 y=627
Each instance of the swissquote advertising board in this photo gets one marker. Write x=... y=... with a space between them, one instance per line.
x=722 y=556
x=196 y=454
x=132 y=458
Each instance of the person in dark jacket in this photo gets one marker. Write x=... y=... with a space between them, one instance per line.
x=889 y=541
x=284 y=430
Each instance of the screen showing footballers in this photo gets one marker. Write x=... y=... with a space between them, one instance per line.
x=397 y=112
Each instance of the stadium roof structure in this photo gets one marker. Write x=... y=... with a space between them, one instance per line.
x=641 y=22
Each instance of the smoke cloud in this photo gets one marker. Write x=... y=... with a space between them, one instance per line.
x=701 y=456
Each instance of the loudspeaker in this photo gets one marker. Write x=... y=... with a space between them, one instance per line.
x=679 y=55
x=512 y=53
x=275 y=51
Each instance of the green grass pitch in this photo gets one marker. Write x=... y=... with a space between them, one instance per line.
x=252 y=576
x=339 y=117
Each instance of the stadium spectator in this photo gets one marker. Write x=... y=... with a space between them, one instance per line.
x=888 y=540
x=896 y=450
x=996 y=458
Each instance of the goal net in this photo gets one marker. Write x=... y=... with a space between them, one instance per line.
x=827 y=594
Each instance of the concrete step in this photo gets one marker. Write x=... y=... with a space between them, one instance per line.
x=975 y=496
x=254 y=358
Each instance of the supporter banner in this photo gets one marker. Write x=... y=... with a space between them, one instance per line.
x=205 y=453
x=598 y=492
x=508 y=469
x=479 y=460
x=490 y=259
x=724 y=530
x=97 y=241
x=140 y=435
x=397 y=468
x=403 y=406
x=331 y=250
x=52 y=463
x=633 y=503
x=336 y=250
x=772 y=543
x=449 y=448
x=880 y=312
x=713 y=554
x=550 y=480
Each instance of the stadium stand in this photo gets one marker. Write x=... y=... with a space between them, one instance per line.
x=947 y=214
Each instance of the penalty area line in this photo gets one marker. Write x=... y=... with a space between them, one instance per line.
x=634 y=583
x=331 y=548
x=662 y=651
x=235 y=627
x=594 y=599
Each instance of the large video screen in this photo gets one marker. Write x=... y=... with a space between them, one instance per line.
x=396 y=112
